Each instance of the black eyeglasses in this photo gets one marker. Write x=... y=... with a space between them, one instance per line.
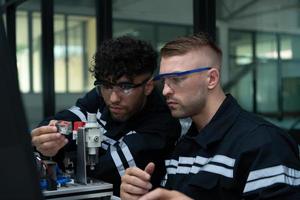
x=121 y=87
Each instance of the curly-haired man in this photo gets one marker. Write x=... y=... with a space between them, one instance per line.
x=139 y=126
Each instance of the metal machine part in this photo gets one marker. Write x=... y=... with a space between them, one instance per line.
x=89 y=138
x=93 y=139
x=99 y=190
x=64 y=127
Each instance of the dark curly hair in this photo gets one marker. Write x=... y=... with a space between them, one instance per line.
x=123 y=56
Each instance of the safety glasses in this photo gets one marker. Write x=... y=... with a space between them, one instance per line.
x=173 y=79
x=121 y=87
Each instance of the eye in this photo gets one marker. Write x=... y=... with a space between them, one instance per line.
x=176 y=80
x=125 y=86
x=105 y=85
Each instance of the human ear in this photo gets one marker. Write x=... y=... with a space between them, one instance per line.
x=149 y=87
x=213 y=78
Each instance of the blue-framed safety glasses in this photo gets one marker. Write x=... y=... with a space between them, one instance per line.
x=181 y=73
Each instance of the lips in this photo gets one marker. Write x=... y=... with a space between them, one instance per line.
x=116 y=109
x=172 y=104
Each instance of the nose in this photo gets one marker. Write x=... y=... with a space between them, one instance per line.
x=114 y=97
x=167 y=90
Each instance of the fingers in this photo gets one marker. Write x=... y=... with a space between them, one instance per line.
x=163 y=194
x=43 y=130
x=50 y=144
x=133 y=190
x=137 y=178
x=47 y=141
x=45 y=134
x=52 y=141
x=135 y=183
x=40 y=139
x=127 y=196
x=52 y=123
x=50 y=149
x=150 y=168
x=139 y=173
x=154 y=195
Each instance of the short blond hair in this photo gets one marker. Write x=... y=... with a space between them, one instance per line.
x=185 y=44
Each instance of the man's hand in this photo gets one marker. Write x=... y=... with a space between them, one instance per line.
x=162 y=194
x=47 y=140
x=136 y=182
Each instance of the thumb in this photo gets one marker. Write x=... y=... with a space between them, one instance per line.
x=52 y=122
x=150 y=168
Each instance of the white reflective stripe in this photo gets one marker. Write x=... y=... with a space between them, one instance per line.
x=131 y=132
x=127 y=154
x=115 y=198
x=175 y=167
x=207 y=168
x=104 y=146
x=164 y=180
x=195 y=169
x=183 y=170
x=171 y=170
x=167 y=162
x=265 y=182
x=272 y=171
x=186 y=160
x=173 y=162
x=217 y=158
x=109 y=140
x=102 y=121
x=102 y=130
x=218 y=170
x=224 y=160
x=117 y=160
x=78 y=113
x=98 y=115
x=202 y=160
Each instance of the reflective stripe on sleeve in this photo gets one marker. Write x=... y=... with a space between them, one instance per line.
x=115 y=154
x=76 y=110
x=117 y=160
x=127 y=154
x=109 y=140
x=98 y=116
x=223 y=160
x=268 y=176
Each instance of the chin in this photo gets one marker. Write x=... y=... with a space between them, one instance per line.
x=177 y=114
x=120 y=118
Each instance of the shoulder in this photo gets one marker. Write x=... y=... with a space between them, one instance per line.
x=251 y=131
x=248 y=125
x=91 y=101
